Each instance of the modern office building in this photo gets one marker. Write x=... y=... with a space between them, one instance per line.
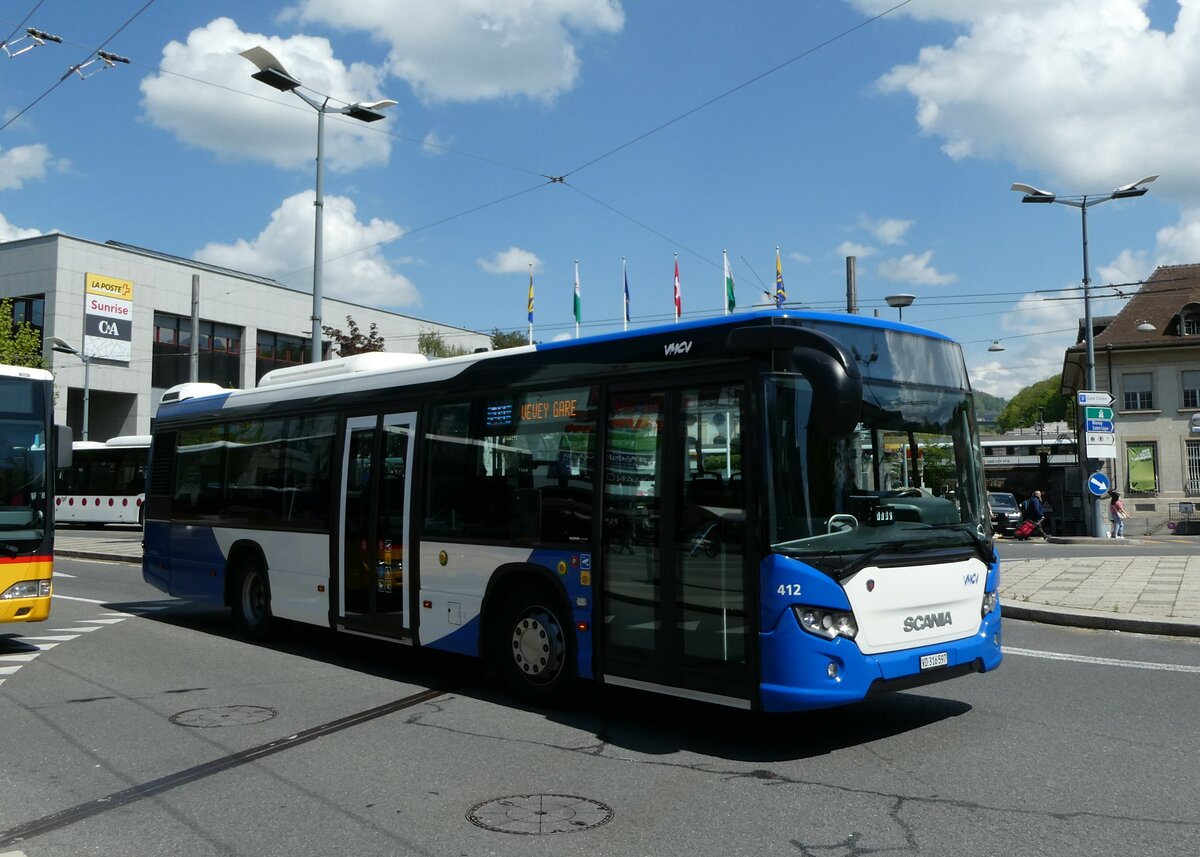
x=128 y=312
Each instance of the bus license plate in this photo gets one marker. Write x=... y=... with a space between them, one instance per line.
x=940 y=659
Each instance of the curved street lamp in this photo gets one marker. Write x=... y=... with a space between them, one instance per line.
x=1083 y=203
x=272 y=73
x=63 y=347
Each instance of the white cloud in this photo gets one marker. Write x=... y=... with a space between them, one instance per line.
x=889 y=230
x=800 y=257
x=1130 y=266
x=468 y=50
x=915 y=269
x=1085 y=91
x=232 y=125
x=23 y=163
x=10 y=232
x=1180 y=244
x=510 y=261
x=849 y=248
x=433 y=144
x=350 y=272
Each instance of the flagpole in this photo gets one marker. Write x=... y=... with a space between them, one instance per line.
x=531 y=303
x=625 y=278
x=578 y=305
x=728 y=300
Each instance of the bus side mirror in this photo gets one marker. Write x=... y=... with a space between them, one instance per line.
x=63 y=440
x=838 y=393
x=824 y=361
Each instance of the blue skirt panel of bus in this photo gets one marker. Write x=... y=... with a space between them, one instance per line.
x=184 y=561
x=795 y=665
x=573 y=569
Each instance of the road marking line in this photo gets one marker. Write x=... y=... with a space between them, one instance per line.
x=24 y=657
x=58 y=638
x=1108 y=662
x=10 y=670
x=77 y=598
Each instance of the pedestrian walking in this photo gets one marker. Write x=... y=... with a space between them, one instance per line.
x=1117 y=514
x=1034 y=511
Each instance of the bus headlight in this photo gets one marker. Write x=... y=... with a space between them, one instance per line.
x=827 y=623
x=27 y=589
x=991 y=600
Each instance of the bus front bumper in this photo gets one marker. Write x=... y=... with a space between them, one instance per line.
x=802 y=671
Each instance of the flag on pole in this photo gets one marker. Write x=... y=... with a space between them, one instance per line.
x=531 y=303
x=625 y=276
x=578 y=303
x=780 y=292
x=730 y=302
x=678 y=299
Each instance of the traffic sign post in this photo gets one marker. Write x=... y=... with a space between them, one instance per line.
x=1099 y=484
x=1099 y=423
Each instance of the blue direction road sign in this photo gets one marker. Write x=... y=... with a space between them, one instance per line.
x=1098 y=484
x=1099 y=425
x=1095 y=397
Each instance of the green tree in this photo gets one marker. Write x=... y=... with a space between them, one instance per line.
x=20 y=344
x=354 y=341
x=1042 y=399
x=508 y=338
x=431 y=344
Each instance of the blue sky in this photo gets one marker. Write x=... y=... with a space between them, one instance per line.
x=682 y=127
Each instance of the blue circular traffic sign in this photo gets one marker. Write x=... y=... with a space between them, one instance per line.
x=1099 y=484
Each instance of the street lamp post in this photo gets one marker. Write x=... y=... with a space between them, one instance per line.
x=272 y=73
x=1083 y=203
x=900 y=302
x=64 y=347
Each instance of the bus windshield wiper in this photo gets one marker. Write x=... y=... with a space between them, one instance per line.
x=862 y=559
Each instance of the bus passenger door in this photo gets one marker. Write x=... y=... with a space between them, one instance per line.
x=675 y=606
x=373 y=524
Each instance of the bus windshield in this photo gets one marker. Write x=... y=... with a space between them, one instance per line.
x=907 y=479
x=22 y=465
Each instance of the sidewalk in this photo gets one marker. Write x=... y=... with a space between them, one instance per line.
x=1143 y=594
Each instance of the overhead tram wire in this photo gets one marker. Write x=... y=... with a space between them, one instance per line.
x=24 y=21
x=737 y=88
x=78 y=65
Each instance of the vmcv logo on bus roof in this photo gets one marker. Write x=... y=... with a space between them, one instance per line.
x=677 y=348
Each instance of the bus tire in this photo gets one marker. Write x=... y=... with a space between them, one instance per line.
x=251 y=599
x=534 y=649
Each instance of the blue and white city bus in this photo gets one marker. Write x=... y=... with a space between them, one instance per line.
x=777 y=510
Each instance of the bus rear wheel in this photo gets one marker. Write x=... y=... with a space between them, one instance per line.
x=533 y=647
x=252 y=600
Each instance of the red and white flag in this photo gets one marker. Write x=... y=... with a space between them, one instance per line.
x=678 y=299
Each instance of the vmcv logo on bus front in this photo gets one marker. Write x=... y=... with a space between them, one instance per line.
x=677 y=348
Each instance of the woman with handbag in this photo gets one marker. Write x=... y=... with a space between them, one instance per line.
x=1117 y=514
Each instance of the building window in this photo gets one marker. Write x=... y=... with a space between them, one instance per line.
x=29 y=310
x=1191 y=484
x=219 y=352
x=1142 y=466
x=1139 y=391
x=1189 y=320
x=1191 y=388
x=277 y=350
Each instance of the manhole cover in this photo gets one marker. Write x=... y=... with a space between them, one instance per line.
x=222 y=715
x=538 y=815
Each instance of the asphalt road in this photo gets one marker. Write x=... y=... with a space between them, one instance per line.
x=158 y=732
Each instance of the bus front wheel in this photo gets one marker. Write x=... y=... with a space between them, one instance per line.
x=533 y=648
x=252 y=600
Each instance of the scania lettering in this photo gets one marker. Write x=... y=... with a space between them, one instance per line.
x=930 y=620
x=766 y=519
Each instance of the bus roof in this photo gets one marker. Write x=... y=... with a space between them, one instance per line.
x=623 y=351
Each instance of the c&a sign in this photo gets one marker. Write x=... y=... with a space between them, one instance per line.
x=108 y=318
